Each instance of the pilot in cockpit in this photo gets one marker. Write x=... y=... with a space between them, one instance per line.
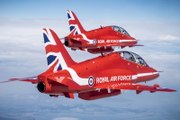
x=120 y=30
x=132 y=57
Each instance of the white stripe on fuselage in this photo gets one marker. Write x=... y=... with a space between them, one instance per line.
x=127 y=40
x=115 y=41
x=82 y=34
x=147 y=74
x=75 y=77
x=144 y=75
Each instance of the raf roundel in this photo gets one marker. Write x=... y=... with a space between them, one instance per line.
x=91 y=81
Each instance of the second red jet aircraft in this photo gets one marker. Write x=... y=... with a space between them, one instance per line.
x=98 y=40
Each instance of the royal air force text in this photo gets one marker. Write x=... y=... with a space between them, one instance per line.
x=100 y=80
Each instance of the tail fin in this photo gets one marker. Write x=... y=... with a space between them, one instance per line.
x=57 y=56
x=74 y=24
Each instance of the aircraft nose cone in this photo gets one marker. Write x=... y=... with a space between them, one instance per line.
x=154 y=74
x=133 y=40
x=148 y=75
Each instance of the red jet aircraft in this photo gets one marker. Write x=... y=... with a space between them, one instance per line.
x=98 y=40
x=100 y=77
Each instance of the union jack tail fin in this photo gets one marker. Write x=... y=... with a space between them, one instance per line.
x=74 y=24
x=57 y=56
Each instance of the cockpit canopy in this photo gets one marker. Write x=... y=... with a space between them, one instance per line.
x=120 y=29
x=132 y=57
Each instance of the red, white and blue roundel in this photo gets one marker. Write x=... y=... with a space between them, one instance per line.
x=91 y=81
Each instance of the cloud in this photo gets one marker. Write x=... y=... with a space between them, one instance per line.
x=148 y=30
x=169 y=37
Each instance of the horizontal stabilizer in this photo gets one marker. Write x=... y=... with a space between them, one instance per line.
x=33 y=80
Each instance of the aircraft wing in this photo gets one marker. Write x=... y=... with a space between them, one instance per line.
x=32 y=79
x=138 y=87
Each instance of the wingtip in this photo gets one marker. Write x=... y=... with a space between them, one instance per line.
x=3 y=82
x=9 y=80
x=32 y=79
x=172 y=90
x=169 y=90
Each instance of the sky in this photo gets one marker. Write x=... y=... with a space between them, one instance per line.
x=155 y=23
